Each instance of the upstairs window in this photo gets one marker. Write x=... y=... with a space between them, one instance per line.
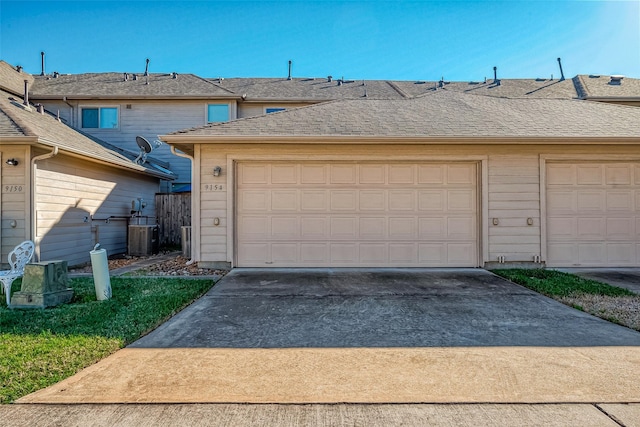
x=274 y=109
x=217 y=113
x=100 y=118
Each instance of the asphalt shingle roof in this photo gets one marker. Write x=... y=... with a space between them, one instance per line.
x=16 y=121
x=507 y=88
x=442 y=113
x=602 y=86
x=113 y=85
x=318 y=89
x=11 y=80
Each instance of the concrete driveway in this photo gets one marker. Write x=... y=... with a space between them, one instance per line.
x=367 y=336
x=279 y=308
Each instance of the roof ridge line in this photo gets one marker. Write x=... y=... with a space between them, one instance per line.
x=397 y=89
x=579 y=85
x=212 y=83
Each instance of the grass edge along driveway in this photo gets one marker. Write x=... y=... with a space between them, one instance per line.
x=611 y=303
x=40 y=347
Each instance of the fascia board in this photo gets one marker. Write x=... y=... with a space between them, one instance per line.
x=132 y=97
x=288 y=139
x=18 y=140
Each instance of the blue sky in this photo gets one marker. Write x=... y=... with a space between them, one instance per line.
x=420 y=40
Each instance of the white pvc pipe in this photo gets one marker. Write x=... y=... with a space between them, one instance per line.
x=100 y=267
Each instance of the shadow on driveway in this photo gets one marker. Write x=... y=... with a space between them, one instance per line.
x=283 y=308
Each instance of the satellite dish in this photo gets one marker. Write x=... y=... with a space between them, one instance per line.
x=143 y=144
x=145 y=148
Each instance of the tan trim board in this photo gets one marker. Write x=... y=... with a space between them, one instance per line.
x=483 y=211
x=543 y=209
x=391 y=139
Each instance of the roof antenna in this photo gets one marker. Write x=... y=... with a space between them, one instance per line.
x=289 y=77
x=495 y=76
x=146 y=68
x=561 y=72
x=42 y=55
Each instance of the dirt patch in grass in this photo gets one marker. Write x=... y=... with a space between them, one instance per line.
x=622 y=310
x=162 y=264
x=611 y=303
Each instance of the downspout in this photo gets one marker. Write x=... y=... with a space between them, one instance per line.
x=195 y=230
x=34 y=216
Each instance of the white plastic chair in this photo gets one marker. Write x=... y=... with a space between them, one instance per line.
x=18 y=258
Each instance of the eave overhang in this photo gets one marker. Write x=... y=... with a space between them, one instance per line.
x=415 y=140
x=38 y=141
x=36 y=97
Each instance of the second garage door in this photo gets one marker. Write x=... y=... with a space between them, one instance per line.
x=593 y=214
x=356 y=214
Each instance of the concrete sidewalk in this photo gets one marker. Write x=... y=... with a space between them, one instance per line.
x=359 y=348
x=448 y=415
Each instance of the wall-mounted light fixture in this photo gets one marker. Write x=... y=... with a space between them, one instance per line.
x=217 y=171
x=12 y=162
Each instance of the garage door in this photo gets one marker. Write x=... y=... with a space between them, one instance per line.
x=356 y=214
x=593 y=214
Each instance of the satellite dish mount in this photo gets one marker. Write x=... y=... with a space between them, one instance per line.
x=145 y=148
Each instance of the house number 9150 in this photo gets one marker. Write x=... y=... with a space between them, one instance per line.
x=213 y=187
x=12 y=189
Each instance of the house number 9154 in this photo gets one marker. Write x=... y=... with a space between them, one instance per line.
x=12 y=189
x=213 y=187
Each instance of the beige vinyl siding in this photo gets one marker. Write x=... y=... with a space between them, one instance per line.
x=65 y=110
x=213 y=202
x=511 y=191
x=514 y=196
x=14 y=199
x=145 y=118
x=68 y=190
x=150 y=119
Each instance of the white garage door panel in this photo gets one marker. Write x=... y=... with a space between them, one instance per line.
x=593 y=214
x=357 y=214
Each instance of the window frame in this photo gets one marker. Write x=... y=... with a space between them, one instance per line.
x=274 y=110
x=209 y=104
x=100 y=108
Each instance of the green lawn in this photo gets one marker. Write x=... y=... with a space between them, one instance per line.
x=558 y=284
x=41 y=347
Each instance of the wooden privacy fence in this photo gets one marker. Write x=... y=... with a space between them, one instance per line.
x=173 y=210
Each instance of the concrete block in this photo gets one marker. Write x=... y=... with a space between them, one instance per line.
x=44 y=284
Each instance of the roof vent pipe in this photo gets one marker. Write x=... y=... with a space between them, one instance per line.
x=19 y=68
x=616 y=79
x=146 y=68
x=26 y=93
x=56 y=74
x=42 y=60
x=135 y=77
x=561 y=72
x=174 y=75
x=289 y=76
x=329 y=79
x=126 y=77
x=40 y=108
